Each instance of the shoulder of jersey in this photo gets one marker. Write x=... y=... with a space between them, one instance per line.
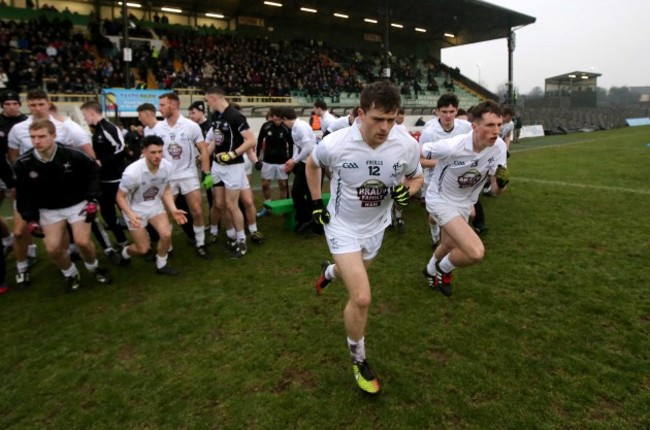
x=24 y=156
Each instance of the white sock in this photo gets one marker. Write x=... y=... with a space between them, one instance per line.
x=431 y=267
x=70 y=271
x=9 y=240
x=214 y=230
x=22 y=266
x=357 y=349
x=125 y=253
x=445 y=264
x=199 y=235
x=252 y=228
x=231 y=233
x=91 y=267
x=241 y=236
x=31 y=250
x=161 y=261
x=330 y=273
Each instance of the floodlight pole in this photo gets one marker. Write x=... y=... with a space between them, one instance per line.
x=511 y=50
x=125 y=46
x=386 y=41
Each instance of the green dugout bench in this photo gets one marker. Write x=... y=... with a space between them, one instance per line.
x=285 y=207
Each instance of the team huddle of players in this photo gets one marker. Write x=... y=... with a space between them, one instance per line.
x=63 y=178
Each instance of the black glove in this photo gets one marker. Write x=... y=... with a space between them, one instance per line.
x=320 y=214
x=400 y=194
x=225 y=158
x=259 y=165
x=503 y=176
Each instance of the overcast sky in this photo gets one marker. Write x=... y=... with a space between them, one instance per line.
x=601 y=36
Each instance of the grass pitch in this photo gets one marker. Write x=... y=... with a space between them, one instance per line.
x=551 y=330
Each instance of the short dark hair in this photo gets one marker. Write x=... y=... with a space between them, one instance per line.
x=380 y=95
x=448 y=99
x=320 y=104
x=151 y=140
x=171 y=96
x=287 y=112
x=461 y=111
x=37 y=94
x=488 y=106
x=400 y=111
x=146 y=107
x=216 y=90
x=93 y=105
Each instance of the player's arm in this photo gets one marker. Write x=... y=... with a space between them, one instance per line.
x=204 y=155
x=25 y=206
x=314 y=173
x=168 y=201
x=123 y=204
x=424 y=161
x=249 y=141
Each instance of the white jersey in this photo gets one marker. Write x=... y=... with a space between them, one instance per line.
x=148 y=131
x=460 y=172
x=304 y=140
x=68 y=133
x=434 y=132
x=360 y=201
x=180 y=146
x=144 y=190
x=326 y=120
x=338 y=124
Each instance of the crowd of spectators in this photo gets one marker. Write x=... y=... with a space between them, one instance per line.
x=251 y=66
x=69 y=61
x=40 y=51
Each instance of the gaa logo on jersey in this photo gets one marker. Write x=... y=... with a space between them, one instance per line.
x=150 y=194
x=33 y=174
x=372 y=193
x=175 y=150
x=469 y=178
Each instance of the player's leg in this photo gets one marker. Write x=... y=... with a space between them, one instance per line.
x=266 y=193
x=194 y=201
x=81 y=233
x=237 y=219
x=188 y=227
x=246 y=197
x=217 y=210
x=283 y=186
x=22 y=240
x=352 y=270
x=56 y=245
x=459 y=246
x=161 y=223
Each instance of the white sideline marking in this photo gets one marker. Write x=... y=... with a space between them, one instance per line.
x=576 y=185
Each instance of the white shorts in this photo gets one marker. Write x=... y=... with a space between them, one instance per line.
x=232 y=176
x=273 y=172
x=442 y=213
x=145 y=214
x=346 y=243
x=184 y=186
x=70 y=214
x=248 y=166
